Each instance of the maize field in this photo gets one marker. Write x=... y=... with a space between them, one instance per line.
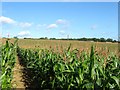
x=46 y=69
x=7 y=63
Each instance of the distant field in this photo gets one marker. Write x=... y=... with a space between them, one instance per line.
x=63 y=44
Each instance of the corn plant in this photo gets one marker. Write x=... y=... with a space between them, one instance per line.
x=7 y=63
x=70 y=71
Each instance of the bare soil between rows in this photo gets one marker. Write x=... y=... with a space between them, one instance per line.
x=22 y=77
x=17 y=81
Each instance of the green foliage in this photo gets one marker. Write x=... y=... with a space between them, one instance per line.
x=67 y=70
x=70 y=71
x=7 y=63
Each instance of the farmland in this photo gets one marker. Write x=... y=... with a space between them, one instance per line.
x=47 y=44
x=52 y=64
x=69 y=45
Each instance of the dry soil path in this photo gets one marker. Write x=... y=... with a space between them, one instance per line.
x=18 y=81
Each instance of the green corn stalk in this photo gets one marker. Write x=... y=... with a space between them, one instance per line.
x=7 y=64
x=68 y=71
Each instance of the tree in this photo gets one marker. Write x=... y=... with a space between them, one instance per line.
x=95 y=39
x=15 y=37
x=114 y=41
x=109 y=40
x=102 y=40
x=83 y=39
x=46 y=38
x=52 y=38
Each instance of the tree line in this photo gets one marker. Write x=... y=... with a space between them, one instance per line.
x=79 y=39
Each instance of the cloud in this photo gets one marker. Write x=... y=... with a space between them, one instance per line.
x=61 y=21
x=93 y=27
x=62 y=32
x=51 y=26
x=65 y=23
x=24 y=33
x=25 y=24
x=41 y=25
x=6 y=20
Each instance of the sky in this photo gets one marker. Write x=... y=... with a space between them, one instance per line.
x=60 y=0
x=60 y=19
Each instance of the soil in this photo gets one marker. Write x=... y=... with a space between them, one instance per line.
x=17 y=81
